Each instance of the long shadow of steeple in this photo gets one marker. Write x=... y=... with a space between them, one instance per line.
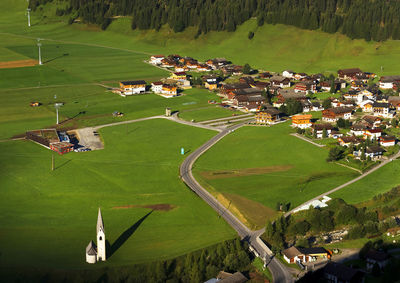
x=125 y=236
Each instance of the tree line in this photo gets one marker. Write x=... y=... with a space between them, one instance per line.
x=198 y=266
x=362 y=221
x=376 y=20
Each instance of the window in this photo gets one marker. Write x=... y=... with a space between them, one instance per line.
x=100 y=238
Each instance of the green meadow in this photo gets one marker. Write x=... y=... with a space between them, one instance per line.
x=378 y=182
x=87 y=105
x=266 y=165
x=48 y=217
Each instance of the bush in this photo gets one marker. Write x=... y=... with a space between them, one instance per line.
x=250 y=35
x=356 y=232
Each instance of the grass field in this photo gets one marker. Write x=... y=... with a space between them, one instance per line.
x=377 y=182
x=283 y=169
x=207 y=113
x=47 y=218
x=88 y=105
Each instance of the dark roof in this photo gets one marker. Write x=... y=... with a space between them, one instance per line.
x=377 y=255
x=341 y=110
x=246 y=91
x=341 y=271
x=314 y=250
x=141 y=82
x=388 y=138
x=91 y=249
x=389 y=79
x=350 y=139
x=350 y=71
x=291 y=252
x=271 y=111
x=374 y=149
x=379 y=104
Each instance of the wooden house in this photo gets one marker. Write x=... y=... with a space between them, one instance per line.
x=349 y=74
x=132 y=87
x=333 y=114
x=301 y=121
x=268 y=116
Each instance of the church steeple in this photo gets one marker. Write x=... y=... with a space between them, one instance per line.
x=100 y=224
x=101 y=238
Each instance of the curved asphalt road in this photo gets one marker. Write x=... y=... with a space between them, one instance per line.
x=279 y=272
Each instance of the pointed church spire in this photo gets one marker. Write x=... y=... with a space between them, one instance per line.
x=100 y=224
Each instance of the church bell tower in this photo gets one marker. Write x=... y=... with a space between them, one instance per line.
x=101 y=238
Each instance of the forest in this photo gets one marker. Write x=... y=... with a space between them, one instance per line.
x=376 y=20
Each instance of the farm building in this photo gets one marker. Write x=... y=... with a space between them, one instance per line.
x=387 y=141
x=156 y=59
x=349 y=74
x=318 y=130
x=44 y=136
x=303 y=255
x=62 y=147
x=132 y=87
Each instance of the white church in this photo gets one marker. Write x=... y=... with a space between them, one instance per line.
x=93 y=253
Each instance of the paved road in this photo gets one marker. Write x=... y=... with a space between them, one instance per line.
x=279 y=272
x=348 y=183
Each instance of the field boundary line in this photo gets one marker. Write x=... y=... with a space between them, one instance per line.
x=347 y=166
x=307 y=140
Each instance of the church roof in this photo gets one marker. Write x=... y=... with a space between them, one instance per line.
x=91 y=249
x=100 y=224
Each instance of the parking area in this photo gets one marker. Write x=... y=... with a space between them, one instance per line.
x=89 y=138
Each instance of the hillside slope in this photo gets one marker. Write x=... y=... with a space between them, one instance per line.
x=274 y=47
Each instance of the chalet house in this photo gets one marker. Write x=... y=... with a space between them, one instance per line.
x=367 y=105
x=339 y=273
x=132 y=87
x=358 y=129
x=364 y=95
x=382 y=110
x=286 y=94
x=318 y=129
x=203 y=68
x=316 y=106
x=246 y=80
x=347 y=141
x=358 y=85
x=333 y=114
x=167 y=63
x=181 y=68
x=229 y=88
x=339 y=84
x=300 y=76
x=372 y=133
x=387 y=141
x=325 y=86
x=226 y=277
x=156 y=87
x=349 y=74
x=237 y=70
x=335 y=134
x=388 y=82
x=217 y=63
x=260 y=85
x=394 y=102
x=376 y=257
x=288 y=74
x=280 y=81
x=306 y=87
x=178 y=76
x=372 y=121
x=307 y=105
x=192 y=64
x=210 y=80
x=244 y=91
x=156 y=59
x=374 y=152
x=251 y=102
x=303 y=255
x=301 y=121
x=351 y=94
x=169 y=91
x=265 y=75
x=268 y=116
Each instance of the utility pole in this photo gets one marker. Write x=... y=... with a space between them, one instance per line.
x=52 y=162
x=57 y=114
x=28 y=12
x=40 y=55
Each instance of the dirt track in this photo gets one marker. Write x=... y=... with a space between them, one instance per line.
x=18 y=64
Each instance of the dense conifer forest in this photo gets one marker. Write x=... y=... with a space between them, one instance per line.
x=376 y=20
